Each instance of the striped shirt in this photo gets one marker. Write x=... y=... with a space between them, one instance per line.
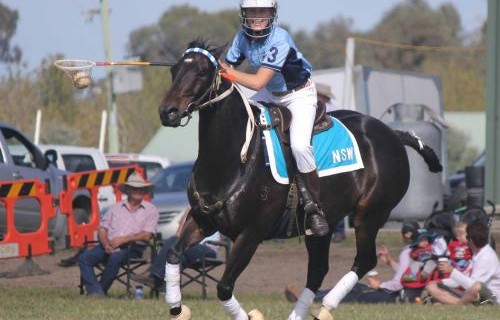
x=119 y=220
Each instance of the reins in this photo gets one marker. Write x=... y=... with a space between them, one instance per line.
x=214 y=86
x=198 y=105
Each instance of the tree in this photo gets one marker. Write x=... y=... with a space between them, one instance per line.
x=179 y=26
x=325 y=47
x=8 y=25
x=415 y=23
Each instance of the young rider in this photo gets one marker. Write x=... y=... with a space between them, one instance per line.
x=282 y=76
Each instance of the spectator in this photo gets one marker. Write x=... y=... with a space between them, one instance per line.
x=460 y=253
x=130 y=220
x=155 y=276
x=483 y=284
x=422 y=263
x=376 y=291
x=325 y=96
x=339 y=232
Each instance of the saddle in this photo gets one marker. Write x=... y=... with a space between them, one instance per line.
x=281 y=118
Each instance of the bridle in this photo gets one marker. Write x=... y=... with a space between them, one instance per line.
x=200 y=103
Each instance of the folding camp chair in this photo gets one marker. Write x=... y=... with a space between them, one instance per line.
x=128 y=266
x=200 y=270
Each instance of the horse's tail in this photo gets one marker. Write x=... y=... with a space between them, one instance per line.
x=412 y=140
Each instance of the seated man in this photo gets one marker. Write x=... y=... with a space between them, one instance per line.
x=127 y=221
x=155 y=276
x=483 y=284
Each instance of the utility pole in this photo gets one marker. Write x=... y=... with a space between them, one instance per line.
x=113 y=142
x=492 y=173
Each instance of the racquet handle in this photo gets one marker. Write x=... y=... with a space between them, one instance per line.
x=133 y=63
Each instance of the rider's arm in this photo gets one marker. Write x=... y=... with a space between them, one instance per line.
x=254 y=81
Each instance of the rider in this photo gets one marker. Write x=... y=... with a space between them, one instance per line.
x=282 y=76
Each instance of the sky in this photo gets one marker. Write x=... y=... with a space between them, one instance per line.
x=58 y=26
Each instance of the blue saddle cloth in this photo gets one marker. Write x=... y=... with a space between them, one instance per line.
x=335 y=150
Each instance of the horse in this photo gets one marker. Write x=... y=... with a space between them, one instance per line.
x=232 y=191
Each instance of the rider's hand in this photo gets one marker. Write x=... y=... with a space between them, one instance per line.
x=226 y=71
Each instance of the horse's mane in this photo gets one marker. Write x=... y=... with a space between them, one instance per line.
x=203 y=44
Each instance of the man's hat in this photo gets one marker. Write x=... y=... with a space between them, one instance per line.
x=136 y=181
x=325 y=90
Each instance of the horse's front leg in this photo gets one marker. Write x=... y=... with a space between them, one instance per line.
x=318 y=249
x=241 y=253
x=189 y=236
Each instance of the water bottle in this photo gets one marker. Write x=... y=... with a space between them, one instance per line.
x=138 y=294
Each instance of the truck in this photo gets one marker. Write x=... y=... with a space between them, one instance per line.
x=21 y=159
x=80 y=159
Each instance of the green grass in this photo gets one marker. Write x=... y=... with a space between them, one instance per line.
x=66 y=303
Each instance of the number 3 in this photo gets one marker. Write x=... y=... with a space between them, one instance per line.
x=272 y=57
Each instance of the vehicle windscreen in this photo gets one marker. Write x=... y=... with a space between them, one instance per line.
x=78 y=162
x=172 y=179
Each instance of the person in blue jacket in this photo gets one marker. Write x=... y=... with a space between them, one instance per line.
x=281 y=75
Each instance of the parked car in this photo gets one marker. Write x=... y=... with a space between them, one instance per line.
x=150 y=163
x=79 y=159
x=170 y=196
x=21 y=159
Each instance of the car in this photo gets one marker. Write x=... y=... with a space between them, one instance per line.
x=21 y=160
x=170 y=196
x=457 y=185
x=79 y=159
x=150 y=163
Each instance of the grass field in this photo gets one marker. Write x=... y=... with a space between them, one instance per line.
x=66 y=303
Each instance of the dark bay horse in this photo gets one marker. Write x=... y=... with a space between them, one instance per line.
x=232 y=191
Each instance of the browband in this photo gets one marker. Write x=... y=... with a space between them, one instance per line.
x=204 y=52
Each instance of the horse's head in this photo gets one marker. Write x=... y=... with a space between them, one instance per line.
x=193 y=81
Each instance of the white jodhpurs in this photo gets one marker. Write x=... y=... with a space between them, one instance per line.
x=302 y=103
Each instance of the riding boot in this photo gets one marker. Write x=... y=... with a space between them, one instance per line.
x=308 y=184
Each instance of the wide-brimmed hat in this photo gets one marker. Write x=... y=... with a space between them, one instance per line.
x=136 y=181
x=325 y=90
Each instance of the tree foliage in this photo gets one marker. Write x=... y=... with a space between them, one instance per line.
x=415 y=23
x=179 y=26
x=8 y=26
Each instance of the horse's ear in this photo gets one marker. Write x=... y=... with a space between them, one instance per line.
x=219 y=50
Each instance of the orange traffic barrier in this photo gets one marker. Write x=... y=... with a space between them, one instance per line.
x=78 y=233
x=25 y=244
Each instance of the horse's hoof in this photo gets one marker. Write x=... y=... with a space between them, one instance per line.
x=323 y=314
x=255 y=315
x=184 y=315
